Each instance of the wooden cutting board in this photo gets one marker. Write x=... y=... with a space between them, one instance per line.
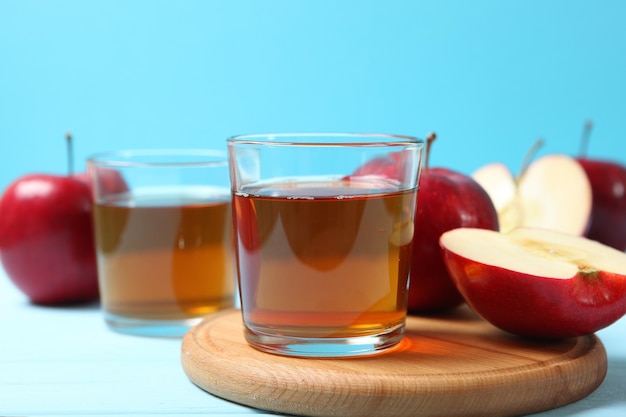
x=453 y=365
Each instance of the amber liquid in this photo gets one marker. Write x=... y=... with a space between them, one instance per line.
x=165 y=258
x=319 y=266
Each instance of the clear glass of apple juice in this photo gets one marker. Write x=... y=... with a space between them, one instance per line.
x=163 y=233
x=323 y=229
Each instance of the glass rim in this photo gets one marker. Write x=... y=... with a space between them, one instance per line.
x=339 y=139
x=192 y=157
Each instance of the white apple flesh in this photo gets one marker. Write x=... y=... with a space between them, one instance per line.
x=498 y=181
x=535 y=282
x=552 y=193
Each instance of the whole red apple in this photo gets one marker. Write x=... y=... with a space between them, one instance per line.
x=447 y=199
x=46 y=235
x=536 y=282
x=608 y=209
x=608 y=189
x=46 y=238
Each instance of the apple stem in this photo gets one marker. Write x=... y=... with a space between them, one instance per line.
x=70 y=154
x=584 y=140
x=530 y=155
x=429 y=142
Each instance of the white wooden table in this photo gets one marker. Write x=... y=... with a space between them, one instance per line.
x=65 y=361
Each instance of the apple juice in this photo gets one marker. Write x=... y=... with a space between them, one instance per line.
x=315 y=266
x=165 y=257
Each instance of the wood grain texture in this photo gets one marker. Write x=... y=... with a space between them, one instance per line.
x=453 y=365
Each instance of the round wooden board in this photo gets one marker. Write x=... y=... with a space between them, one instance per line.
x=453 y=365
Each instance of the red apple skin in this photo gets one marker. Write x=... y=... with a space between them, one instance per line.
x=539 y=307
x=109 y=181
x=446 y=200
x=608 y=210
x=391 y=165
x=46 y=239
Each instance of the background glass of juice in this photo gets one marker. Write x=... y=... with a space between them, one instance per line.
x=163 y=234
x=323 y=235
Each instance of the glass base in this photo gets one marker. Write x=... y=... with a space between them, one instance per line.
x=152 y=328
x=327 y=347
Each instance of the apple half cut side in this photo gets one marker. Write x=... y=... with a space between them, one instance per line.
x=498 y=181
x=552 y=193
x=535 y=282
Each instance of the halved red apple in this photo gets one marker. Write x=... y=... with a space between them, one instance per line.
x=553 y=193
x=536 y=282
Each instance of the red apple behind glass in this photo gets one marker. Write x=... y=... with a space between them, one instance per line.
x=46 y=238
x=446 y=200
x=608 y=187
x=538 y=283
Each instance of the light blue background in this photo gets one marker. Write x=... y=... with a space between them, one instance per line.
x=490 y=77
